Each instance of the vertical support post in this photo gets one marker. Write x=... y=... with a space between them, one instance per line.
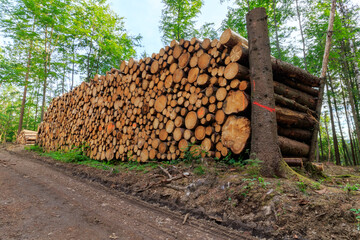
x=264 y=137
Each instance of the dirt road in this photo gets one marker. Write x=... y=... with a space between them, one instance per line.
x=39 y=201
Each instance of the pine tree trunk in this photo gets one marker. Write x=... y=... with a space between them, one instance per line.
x=73 y=66
x=263 y=146
x=349 y=129
x=302 y=34
x=344 y=147
x=37 y=107
x=328 y=139
x=336 y=145
x=350 y=92
x=45 y=79
x=23 y=102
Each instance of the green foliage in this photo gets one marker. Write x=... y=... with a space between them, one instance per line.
x=74 y=155
x=262 y=182
x=350 y=188
x=316 y=185
x=77 y=156
x=249 y=185
x=207 y=31
x=357 y=212
x=302 y=187
x=177 y=21
x=199 y=170
x=194 y=153
x=253 y=162
x=54 y=43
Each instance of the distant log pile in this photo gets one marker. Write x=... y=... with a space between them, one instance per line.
x=192 y=93
x=26 y=137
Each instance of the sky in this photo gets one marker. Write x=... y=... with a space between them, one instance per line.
x=143 y=17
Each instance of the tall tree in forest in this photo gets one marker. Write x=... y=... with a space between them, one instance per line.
x=298 y=12
x=178 y=19
x=314 y=140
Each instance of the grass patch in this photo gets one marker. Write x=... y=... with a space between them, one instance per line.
x=199 y=170
x=77 y=156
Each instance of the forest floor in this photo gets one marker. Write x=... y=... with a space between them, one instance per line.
x=234 y=199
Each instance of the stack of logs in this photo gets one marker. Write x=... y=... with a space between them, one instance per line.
x=192 y=93
x=26 y=137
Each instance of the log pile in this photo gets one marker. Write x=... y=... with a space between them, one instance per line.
x=26 y=137
x=192 y=93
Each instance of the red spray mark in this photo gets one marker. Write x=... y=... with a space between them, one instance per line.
x=267 y=108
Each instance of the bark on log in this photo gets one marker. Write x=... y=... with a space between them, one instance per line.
x=294 y=162
x=292 y=148
x=295 y=133
x=293 y=94
x=292 y=118
x=292 y=104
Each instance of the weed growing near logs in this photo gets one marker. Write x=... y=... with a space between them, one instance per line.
x=357 y=212
x=77 y=156
x=302 y=187
x=351 y=188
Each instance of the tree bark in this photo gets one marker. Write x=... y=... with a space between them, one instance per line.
x=336 y=145
x=328 y=139
x=349 y=129
x=264 y=139
x=23 y=102
x=344 y=147
x=301 y=33
x=45 y=78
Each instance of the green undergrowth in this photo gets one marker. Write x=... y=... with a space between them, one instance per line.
x=77 y=156
x=194 y=158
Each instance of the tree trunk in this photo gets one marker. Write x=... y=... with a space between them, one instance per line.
x=73 y=65
x=322 y=77
x=351 y=95
x=345 y=150
x=328 y=139
x=349 y=129
x=45 y=79
x=321 y=146
x=264 y=139
x=37 y=105
x=23 y=102
x=63 y=80
x=301 y=33
x=336 y=145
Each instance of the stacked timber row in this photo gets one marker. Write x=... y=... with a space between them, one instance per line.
x=26 y=137
x=192 y=93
